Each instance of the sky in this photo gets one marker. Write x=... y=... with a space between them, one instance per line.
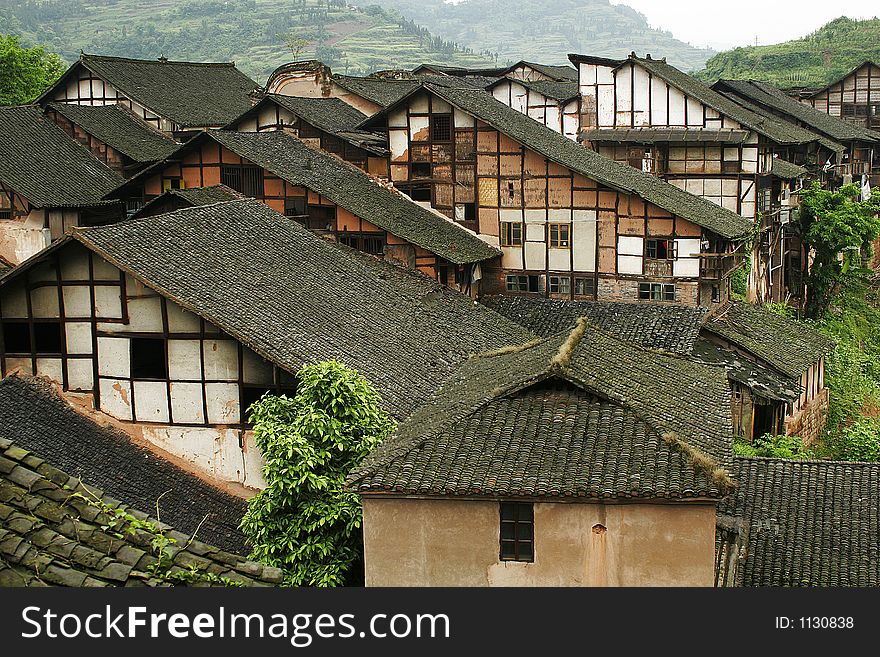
x=699 y=22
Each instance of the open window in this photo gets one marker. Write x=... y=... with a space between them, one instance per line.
x=149 y=359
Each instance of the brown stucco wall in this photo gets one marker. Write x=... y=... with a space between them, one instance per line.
x=809 y=421
x=441 y=542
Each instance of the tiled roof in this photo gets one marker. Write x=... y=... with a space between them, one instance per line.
x=192 y=95
x=670 y=328
x=809 y=523
x=770 y=97
x=559 y=91
x=761 y=379
x=574 y=156
x=51 y=536
x=377 y=90
x=33 y=414
x=503 y=424
x=120 y=129
x=655 y=135
x=791 y=347
x=559 y=73
x=187 y=198
x=294 y=297
x=576 y=59
x=47 y=166
x=786 y=170
x=357 y=192
x=772 y=127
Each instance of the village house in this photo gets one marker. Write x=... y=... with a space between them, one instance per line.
x=177 y=98
x=113 y=134
x=326 y=123
x=327 y=195
x=57 y=474
x=570 y=223
x=48 y=183
x=862 y=146
x=775 y=366
x=647 y=113
x=576 y=461
x=313 y=79
x=123 y=321
x=855 y=97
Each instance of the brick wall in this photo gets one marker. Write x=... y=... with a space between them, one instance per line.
x=809 y=422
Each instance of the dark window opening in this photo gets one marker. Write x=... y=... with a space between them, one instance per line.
x=5 y=213
x=16 y=338
x=441 y=127
x=244 y=178
x=522 y=283
x=657 y=291
x=148 y=358
x=295 y=207
x=517 y=531
x=321 y=217
x=511 y=191
x=417 y=192
x=730 y=166
x=373 y=243
x=660 y=249
x=171 y=183
x=470 y=211
x=716 y=294
x=251 y=394
x=420 y=170
x=47 y=338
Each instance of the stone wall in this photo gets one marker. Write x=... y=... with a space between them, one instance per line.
x=809 y=422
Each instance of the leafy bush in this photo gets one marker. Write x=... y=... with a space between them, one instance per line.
x=305 y=521
x=860 y=441
x=780 y=447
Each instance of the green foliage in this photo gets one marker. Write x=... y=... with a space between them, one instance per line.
x=304 y=521
x=813 y=61
x=859 y=441
x=779 y=447
x=25 y=73
x=840 y=228
x=120 y=523
x=739 y=282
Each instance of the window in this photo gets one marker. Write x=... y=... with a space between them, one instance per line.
x=417 y=192
x=171 y=183
x=148 y=359
x=321 y=217
x=244 y=178
x=511 y=233
x=5 y=206
x=251 y=393
x=522 y=283
x=16 y=338
x=420 y=170
x=585 y=286
x=716 y=294
x=373 y=243
x=559 y=284
x=660 y=249
x=657 y=291
x=730 y=166
x=294 y=207
x=560 y=236
x=517 y=531
x=511 y=190
x=47 y=337
x=441 y=127
x=468 y=212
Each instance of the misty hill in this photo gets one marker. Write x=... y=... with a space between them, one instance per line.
x=547 y=30
x=813 y=61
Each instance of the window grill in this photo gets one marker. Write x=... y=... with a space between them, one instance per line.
x=244 y=178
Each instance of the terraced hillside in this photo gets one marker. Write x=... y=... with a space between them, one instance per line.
x=253 y=33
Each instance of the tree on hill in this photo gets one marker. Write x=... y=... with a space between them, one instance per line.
x=25 y=73
x=305 y=521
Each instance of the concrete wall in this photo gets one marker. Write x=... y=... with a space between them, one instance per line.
x=444 y=542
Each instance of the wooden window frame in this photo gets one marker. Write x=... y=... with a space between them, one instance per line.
x=511 y=233
x=434 y=128
x=650 y=288
x=652 y=249
x=517 y=516
x=555 y=238
x=556 y=280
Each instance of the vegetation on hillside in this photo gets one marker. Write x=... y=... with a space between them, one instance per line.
x=547 y=30
x=253 y=33
x=305 y=521
x=813 y=61
x=25 y=73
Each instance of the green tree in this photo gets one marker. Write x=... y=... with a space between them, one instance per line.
x=25 y=73
x=839 y=227
x=304 y=521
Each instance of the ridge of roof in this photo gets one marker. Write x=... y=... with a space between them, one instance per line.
x=161 y=61
x=574 y=156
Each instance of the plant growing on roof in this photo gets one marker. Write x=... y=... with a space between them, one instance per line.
x=839 y=228
x=305 y=522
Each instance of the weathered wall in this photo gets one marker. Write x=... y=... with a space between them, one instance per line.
x=23 y=236
x=809 y=422
x=442 y=542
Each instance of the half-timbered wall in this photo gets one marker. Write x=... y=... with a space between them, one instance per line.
x=856 y=98
x=86 y=88
x=559 y=117
x=212 y=164
x=110 y=156
x=93 y=329
x=562 y=235
x=274 y=117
